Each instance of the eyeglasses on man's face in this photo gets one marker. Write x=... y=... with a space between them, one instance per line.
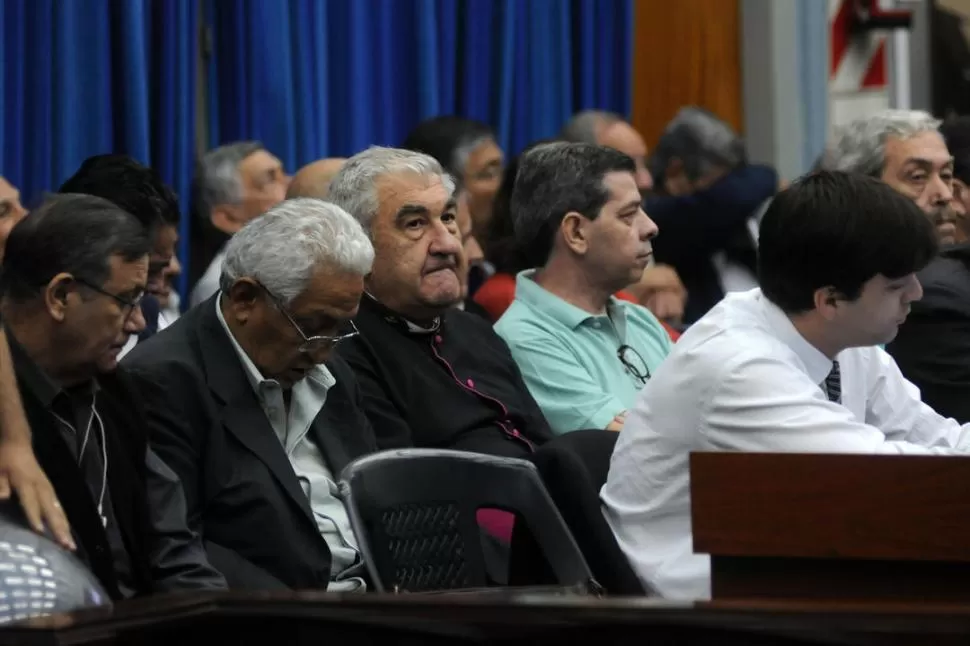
x=311 y=344
x=127 y=304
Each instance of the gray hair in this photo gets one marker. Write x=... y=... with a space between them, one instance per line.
x=354 y=188
x=217 y=179
x=701 y=141
x=585 y=126
x=860 y=145
x=283 y=247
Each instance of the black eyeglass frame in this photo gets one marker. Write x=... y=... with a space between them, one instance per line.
x=643 y=376
x=128 y=305
x=311 y=344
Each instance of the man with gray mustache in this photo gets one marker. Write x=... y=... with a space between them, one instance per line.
x=904 y=149
x=907 y=150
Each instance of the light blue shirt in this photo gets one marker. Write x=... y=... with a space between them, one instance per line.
x=569 y=357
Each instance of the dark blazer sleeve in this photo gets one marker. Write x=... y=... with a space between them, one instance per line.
x=175 y=415
x=932 y=348
x=692 y=227
x=241 y=573
x=390 y=428
x=178 y=558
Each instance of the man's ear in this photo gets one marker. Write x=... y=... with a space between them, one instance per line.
x=57 y=294
x=242 y=297
x=226 y=218
x=574 y=232
x=826 y=300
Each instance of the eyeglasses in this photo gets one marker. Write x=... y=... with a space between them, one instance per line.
x=633 y=363
x=128 y=305
x=311 y=344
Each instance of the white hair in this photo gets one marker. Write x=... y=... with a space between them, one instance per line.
x=354 y=188
x=282 y=247
x=217 y=179
x=860 y=145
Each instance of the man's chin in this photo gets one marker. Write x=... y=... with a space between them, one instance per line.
x=107 y=364
x=442 y=300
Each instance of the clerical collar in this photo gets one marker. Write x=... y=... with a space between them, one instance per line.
x=406 y=324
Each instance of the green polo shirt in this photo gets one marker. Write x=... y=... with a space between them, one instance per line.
x=568 y=357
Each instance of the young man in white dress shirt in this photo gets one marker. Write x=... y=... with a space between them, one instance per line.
x=791 y=367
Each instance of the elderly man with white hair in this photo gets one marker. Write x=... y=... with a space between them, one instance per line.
x=247 y=405
x=904 y=149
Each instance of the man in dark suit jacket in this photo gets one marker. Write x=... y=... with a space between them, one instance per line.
x=932 y=347
x=706 y=203
x=246 y=407
x=73 y=276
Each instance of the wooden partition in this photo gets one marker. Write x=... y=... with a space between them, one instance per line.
x=686 y=52
x=833 y=527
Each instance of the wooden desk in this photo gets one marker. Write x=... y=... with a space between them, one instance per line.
x=838 y=527
x=318 y=618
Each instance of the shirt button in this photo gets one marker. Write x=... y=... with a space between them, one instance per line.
x=596 y=324
x=437 y=338
x=471 y=384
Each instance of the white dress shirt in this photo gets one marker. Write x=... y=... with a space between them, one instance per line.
x=743 y=379
x=209 y=281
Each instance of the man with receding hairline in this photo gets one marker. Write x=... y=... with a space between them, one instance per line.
x=313 y=180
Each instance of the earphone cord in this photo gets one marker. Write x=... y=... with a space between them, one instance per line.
x=84 y=443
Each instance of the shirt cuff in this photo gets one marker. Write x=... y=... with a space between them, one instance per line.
x=603 y=416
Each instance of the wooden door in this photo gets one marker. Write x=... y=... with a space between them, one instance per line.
x=686 y=52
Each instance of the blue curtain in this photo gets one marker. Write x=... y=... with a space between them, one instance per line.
x=318 y=78
x=83 y=77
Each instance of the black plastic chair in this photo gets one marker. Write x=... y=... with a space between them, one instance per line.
x=414 y=514
x=574 y=468
x=37 y=577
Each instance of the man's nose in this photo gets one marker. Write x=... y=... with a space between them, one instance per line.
x=916 y=292
x=650 y=228
x=135 y=322
x=942 y=191
x=446 y=240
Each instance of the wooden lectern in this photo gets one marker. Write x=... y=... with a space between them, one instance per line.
x=833 y=527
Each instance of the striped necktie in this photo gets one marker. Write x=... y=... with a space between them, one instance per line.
x=833 y=384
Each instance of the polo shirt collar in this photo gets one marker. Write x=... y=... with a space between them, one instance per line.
x=530 y=293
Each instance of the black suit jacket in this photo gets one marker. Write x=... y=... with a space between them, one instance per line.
x=694 y=227
x=121 y=415
x=932 y=347
x=206 y=422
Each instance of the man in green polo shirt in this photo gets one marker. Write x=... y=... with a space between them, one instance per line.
x=583 y=353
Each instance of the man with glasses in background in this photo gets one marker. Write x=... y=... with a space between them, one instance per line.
x=74 y=273
x=140 y=191
x=249 y=408
x=583 y=353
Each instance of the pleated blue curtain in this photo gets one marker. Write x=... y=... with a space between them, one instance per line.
x=318 y=78
x=83 y=77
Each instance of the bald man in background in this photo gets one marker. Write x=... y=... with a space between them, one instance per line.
x=313 y=180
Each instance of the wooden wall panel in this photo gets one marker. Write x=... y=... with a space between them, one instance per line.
x=686 y=52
